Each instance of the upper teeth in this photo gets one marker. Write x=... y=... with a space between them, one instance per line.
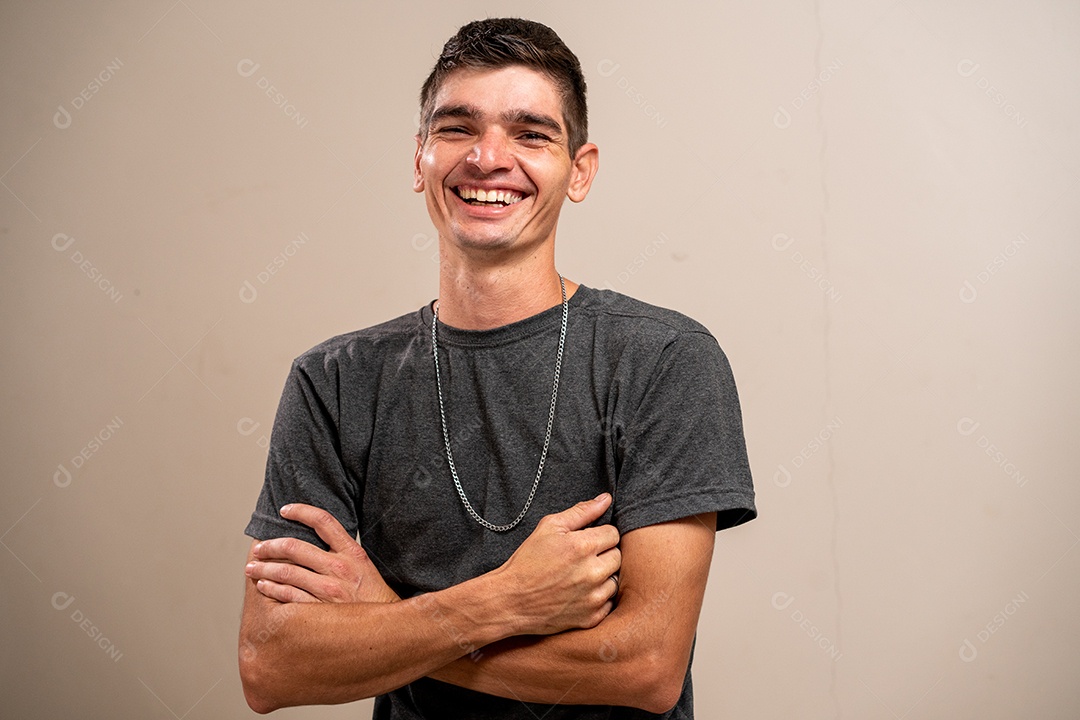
x=507 y=197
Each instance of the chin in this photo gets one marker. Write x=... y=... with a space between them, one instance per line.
x=480 y=241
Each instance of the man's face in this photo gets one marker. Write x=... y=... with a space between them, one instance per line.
x=495 y=165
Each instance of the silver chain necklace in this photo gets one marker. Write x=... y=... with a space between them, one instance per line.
x=547 y=438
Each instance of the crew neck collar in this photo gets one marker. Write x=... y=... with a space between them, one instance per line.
x=533 y=325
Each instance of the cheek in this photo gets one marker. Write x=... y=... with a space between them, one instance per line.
x=551 y=173
x=429 y=162
x=426 y=165
x=431 y=173
x=551 y=184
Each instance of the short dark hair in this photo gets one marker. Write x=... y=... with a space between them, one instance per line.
x=499 y=42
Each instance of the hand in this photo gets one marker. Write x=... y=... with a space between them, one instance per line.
x=561 y=576
x=291 y=570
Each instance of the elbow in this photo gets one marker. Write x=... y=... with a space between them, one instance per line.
x=259 y=703
x=257 y=681
x=255 y=691
x=663 y=683
x=663 y=699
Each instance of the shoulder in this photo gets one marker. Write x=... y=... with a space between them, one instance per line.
x=640 y=322
x=360 y=348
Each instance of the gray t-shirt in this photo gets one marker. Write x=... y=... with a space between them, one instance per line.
x=647 y=410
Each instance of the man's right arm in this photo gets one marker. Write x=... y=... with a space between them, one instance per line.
x=317 y=653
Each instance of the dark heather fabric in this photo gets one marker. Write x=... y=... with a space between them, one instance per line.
x=647 y=410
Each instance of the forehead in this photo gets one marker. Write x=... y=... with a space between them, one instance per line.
x=495 y=91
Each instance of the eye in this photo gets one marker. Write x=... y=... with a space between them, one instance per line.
x=535 y=137
x=452 y=130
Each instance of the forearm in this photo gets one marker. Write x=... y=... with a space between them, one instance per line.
x=321 y=639
x=628 y=659
x=637 y=656
x=318 y=653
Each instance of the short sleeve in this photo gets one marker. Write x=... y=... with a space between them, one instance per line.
x=682 y=449
x=304 y=463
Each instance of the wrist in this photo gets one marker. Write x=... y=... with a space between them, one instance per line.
x=505 y=605
x=475 y=613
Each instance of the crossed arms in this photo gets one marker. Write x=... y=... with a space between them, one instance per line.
x=323 y=627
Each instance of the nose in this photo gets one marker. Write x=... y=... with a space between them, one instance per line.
x=491 y=152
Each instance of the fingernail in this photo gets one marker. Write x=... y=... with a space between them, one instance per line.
x=599 y=497
x=249 y=568
x=257 y=549
x=285 y=508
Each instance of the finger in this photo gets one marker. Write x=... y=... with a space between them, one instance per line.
x=598 y=539
x=578 y=516
x=611 y=561
x=292 y=550
x=302 y=579
x=604 y=611
x=283 y=593
x=322 y=522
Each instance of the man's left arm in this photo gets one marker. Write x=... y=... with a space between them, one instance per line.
x=637 y=656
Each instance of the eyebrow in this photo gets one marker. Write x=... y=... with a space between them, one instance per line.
x=514 y=117
x=467 y=112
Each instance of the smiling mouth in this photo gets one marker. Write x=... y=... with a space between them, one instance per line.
x=487 y=198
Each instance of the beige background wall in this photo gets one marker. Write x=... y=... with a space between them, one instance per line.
x=873 y=205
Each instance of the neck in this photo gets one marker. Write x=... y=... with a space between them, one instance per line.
x=481 y=296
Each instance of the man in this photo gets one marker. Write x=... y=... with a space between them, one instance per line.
x=536 y=469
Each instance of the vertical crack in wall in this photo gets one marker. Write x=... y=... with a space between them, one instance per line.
x=827 y=349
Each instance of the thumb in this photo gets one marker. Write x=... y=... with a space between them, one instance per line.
x=578 y=516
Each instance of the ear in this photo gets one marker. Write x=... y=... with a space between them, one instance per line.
x=418 y=175
x=586 y=164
